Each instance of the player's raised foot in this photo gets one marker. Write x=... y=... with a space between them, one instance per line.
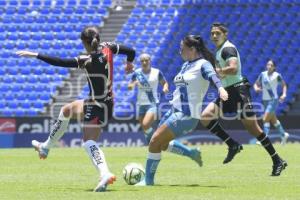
x=196 y=156
x=143 y=183
x=284 y=138
x=232 y=151
x=43 y=152
x=258 y=142
x=106 y=180
x=279 y=167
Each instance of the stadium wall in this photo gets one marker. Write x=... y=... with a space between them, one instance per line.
x=18 y=132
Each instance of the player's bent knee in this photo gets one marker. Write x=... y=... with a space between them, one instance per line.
x=66 y=110
x=154 y=144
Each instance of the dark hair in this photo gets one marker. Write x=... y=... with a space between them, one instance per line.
x=91 y=35
x=221 y=26
x=197 y=42
x=270 y=59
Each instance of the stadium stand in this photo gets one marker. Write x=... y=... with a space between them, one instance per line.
x=52 y=27
x=155 y=27
x=259 y=33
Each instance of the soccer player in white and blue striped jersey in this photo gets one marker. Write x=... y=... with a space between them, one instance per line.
x=267 y=83
x=147 y=79
x=192 y=83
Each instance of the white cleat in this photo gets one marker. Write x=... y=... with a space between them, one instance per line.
x=106 y=179
x=43 y=152
x=143 y=183
x=258 y=142
x=285 y=138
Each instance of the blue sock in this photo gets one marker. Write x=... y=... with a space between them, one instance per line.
x=151 y=167
x=179 y=148
x=267 y=128
x=279 y=128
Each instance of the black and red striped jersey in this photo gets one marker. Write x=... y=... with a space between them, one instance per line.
x=98 y=67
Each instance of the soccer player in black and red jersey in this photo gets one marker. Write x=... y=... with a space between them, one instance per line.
x=97 y=109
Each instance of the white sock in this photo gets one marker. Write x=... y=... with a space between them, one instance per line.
x=59 y=129
x=154 y=156
x=97 y=156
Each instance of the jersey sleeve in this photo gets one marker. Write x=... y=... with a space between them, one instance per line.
x=279 y=78
x=114 y=47
x=133 y=77
x=82 y=60
x=208 y=73
x=161 y=77
x=229 y=52
x=259 y=79
x=121 y=49
x=56 y=61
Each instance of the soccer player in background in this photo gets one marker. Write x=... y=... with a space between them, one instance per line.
x=97 y=109
x=229 y=70
x=192 y=83
x=147 y=79
x=267 y=83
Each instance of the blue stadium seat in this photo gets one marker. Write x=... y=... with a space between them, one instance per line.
x=31 y=112
x=7 y=112
x=19 y=112
x=38 y=105
x=2 y=104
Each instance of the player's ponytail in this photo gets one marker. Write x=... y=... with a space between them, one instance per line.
x=91 y=36
x=95 y=44
x=197 y=42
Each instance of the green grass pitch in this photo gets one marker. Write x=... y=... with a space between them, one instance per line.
x=69 y=174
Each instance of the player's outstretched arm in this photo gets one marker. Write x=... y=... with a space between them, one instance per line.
x=56 y=61
x=28 y=54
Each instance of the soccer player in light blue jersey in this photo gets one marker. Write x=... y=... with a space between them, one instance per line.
x=267 y=83
x=147 y=79
x=192 y=83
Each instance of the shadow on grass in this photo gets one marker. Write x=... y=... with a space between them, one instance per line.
x=112 y=190
x=194 y=185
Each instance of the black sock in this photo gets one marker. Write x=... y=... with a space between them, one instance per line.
x=215 y=128
x=266 y=143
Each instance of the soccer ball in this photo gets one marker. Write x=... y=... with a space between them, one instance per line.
x=133 y=173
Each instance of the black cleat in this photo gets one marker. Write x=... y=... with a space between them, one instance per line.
x=278 y=168
x=232 y=151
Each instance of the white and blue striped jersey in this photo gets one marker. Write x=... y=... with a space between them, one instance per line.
x=269 y=84
x=192 y=83
x=147 y=89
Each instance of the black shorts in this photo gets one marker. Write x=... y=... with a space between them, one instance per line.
x=239 y=101
x=96 y=112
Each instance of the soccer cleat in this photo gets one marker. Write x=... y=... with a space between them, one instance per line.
x=143 y=183
x=43 y=152
x=278 y=168
x=106 y=179
x=232 y=151
x=196 y=156
x=284 y=138
x=258 y=142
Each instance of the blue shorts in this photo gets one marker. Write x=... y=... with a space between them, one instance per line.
x=143 y=109
x=270 y=105
x=179 y=123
